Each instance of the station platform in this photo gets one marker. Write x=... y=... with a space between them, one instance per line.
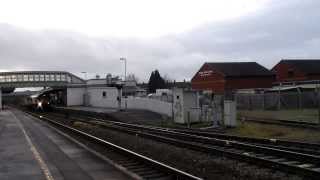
x=29 y=149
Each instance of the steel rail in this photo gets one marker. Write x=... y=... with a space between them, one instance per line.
x=296 y=146
x=176 y=173
x=293 y=162
x=228 y=149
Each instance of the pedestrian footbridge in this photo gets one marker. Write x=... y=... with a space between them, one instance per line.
x=20 y=79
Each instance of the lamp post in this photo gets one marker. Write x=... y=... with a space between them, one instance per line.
x=125 y=68
x=125 y=77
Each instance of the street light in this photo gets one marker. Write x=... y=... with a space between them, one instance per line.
x=125 y=77
x=125 y=68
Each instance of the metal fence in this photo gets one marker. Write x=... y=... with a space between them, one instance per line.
x=277 y=100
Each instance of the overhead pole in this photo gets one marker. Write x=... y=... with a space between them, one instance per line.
x=125 y=76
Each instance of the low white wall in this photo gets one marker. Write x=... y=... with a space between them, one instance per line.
x=96 y=98
x=156 y=106
x=75 y=96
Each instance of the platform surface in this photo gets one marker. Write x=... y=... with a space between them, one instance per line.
x=29 y=149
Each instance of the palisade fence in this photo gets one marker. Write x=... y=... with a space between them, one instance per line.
x=277 y=101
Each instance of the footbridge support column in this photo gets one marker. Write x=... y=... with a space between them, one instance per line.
x=0 y=99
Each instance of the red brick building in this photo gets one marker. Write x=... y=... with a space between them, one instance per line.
x=294 y=70
x=227 y=76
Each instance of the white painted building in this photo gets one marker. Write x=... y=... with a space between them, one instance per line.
x=103 y=97
x=92 y=96
x=75 y=96
x=185 y=106
x=108 y=97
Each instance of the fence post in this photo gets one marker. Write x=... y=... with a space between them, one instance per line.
x=318 y=103
x=263 y=101
x=279 y=97
x=250 y=102
x=188 y=119
x=299 y=98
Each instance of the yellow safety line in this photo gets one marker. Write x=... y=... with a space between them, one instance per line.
x=35 y=152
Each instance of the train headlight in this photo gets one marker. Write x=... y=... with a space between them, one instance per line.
x=39 y=104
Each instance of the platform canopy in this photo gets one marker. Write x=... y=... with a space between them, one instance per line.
x=20 y=79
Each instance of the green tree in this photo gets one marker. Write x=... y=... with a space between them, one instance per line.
x=156 y=82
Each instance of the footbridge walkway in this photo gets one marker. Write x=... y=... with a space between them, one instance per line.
x=21 y=79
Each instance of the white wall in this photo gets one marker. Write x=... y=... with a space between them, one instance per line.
x=186 y=106
x=75 y=96
x=96 y=98
x=178 y=106
x=156 y=106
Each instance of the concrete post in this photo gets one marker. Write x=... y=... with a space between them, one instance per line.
x=230 y=113
x=119 y=98
x=188 y=119
x=263 y=101
x=279 y=97
x=318 y=102
x=0 y=99
x=299 y=98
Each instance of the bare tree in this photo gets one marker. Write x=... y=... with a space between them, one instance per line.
x=167 y=78
x=132 y=77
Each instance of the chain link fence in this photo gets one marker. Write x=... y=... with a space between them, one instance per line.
x=295 y=106
x=278 y=101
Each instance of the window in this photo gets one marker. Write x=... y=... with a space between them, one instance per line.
x=177 y=97
x=58 y=77
x=104 y=94
x=52 y=77
x=41 y=77
x=31 y=77
x=63 y=77
x=25 y=77
x=1 y=78
x=14 y=78
x=20 y=77
x=8 y=78
x=36 y=77
x=47 y=77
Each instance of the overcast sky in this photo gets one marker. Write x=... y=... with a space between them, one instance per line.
x=174 y=36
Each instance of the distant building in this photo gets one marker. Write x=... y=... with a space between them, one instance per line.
x=297 y=70
x=183 y=85
x=109 y=80
x=221 y=77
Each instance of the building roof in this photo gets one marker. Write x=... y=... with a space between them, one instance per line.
x=240 y=69
x=309 y=66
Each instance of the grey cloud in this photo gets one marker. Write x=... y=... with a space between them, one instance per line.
x=286 y=30
x=280 y=31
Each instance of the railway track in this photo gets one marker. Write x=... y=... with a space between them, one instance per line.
x=289 y=123
x=139 y=166
x=296 y=146
x=307 y=165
